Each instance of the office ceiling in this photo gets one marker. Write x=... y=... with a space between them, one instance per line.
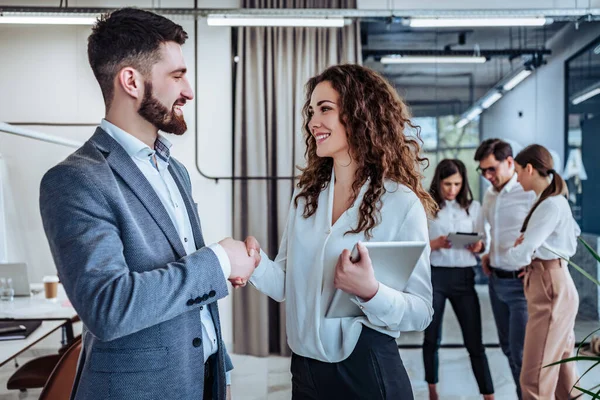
x=441 y=89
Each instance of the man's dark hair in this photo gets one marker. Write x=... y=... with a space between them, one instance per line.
x=128 y=37
x=499 y=148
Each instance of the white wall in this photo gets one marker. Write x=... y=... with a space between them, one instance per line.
x=45 y=77
x=540 y=98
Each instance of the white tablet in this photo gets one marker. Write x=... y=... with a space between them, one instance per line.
x=461 y=239
x=393 y=263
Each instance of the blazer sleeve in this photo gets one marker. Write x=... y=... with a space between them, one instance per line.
x=85 y=241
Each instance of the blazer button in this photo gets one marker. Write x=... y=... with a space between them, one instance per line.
x=190 y=302
x=198 y=300
x=205 y=297
x=212 y=293
x=197 y=342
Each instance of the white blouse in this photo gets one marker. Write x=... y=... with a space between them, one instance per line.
x=451 y=219
x=551 y=230
x=303 y=272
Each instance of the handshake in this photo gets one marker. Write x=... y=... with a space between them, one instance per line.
x=244 y=258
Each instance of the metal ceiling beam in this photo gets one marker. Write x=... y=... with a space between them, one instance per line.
x=561 y=14
x=485 y=53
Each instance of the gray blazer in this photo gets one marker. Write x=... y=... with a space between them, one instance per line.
x=126 y=273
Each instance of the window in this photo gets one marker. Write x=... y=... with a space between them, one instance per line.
x=442 y=139
x=582 y=103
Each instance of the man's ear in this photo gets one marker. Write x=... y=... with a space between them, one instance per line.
x=510 y=161
x=131 y=82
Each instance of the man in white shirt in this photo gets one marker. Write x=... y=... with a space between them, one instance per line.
x=504 y=208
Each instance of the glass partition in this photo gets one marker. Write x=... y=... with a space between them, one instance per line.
x=582 y=172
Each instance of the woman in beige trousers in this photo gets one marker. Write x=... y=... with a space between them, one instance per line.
x=552 y=300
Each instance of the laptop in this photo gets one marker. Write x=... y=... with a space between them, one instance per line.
x=393 y=263
x=19 y=275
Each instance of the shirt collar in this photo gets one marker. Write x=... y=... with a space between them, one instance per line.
x=510 y=184
x=135 y=147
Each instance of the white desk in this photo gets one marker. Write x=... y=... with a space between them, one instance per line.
x=55 y=314
x=9 y=349
x=38 y=307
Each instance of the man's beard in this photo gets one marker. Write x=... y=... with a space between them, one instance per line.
x=153 y=111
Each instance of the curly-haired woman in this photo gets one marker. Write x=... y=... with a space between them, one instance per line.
x=362 y=182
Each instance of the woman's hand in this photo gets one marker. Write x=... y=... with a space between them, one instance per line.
x=476 y=248
x=441 y=242
x=519 y=240
x=356 y=278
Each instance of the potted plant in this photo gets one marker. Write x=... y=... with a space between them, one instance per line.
x=578 y=357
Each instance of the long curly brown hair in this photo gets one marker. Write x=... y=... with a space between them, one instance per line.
x=375 y=118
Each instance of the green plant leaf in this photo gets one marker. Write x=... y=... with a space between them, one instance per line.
x=588 y=370
x=594 y=395
x=577 y=267
x=576 y=358
x=589 y=248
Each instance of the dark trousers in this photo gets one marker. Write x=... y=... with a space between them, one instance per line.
x=373 y=370
x=510 y=312
x=209 y=378
x=458 y=286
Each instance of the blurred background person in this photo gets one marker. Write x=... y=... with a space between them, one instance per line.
x=505 y=206
x=452 y=274
x=549 y=230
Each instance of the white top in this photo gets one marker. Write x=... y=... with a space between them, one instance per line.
x=502 y=215
x=551 y=229
x=165 y=187
x=451 y=219
x=303 y=272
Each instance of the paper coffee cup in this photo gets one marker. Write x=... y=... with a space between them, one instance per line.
x=50 y=286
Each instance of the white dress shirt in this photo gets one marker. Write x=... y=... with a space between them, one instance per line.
x=453 y=218
x=165 y=187
x=502 y=215
x=551 y=232
x=303 y=271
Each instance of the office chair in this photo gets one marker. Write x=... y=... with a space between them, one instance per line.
x=34 y=373
x=60 y=381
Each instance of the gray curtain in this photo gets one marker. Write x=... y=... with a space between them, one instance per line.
x=274 y=64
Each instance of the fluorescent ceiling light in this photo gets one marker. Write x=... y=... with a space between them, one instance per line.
x=474 y=113
x=46 y=20
x=515 y=80
x=494 y=97
x=462 y=122
x=246 y=20
x=395 y=59
x=587 y=95
x=484 y=22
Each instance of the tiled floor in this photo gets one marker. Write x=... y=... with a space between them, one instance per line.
x=269 y=378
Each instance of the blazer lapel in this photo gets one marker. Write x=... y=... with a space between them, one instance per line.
x=123 y=165
x=189 y=205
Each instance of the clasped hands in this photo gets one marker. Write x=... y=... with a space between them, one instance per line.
x=244 y=257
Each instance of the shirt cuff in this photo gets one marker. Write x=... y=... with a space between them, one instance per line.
x=380 y=304
x=262 y=266
x=223 y=258
x=228 y=378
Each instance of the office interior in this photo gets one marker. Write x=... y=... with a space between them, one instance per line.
x=524 y=84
